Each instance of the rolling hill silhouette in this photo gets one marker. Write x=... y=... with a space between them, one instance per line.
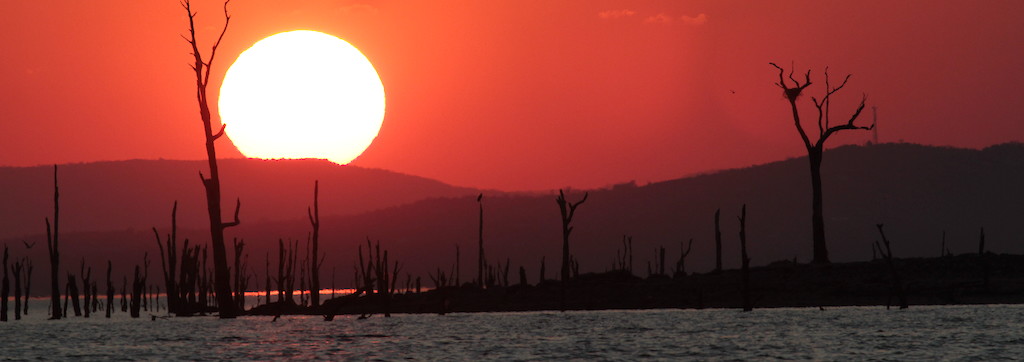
x=917 y=191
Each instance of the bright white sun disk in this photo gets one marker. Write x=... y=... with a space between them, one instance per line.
x=302 y=94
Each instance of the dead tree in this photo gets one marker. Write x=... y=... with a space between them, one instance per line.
x=136 y=293
x=145 y=280
x=95 y=299
x=124 y=293
x=169 y=262
x=204 y=284
x=364 y=275
x=110 y=291
x=378 y=269
x=624 y=259
x=316 y=262
x=745 y=262
x=290 y=272
x=815 y=148
x=73 y=293
x=52 y=244
x=568 y=210
x=897 y=285
x=681 y=264
x=481 y=264
x=28 y=284
x=16 y=271
x=239 y=248
x=222 y=284
x=86 y=284
x=718 y=243
x=386 y=278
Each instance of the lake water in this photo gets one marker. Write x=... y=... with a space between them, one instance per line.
x=984 y=332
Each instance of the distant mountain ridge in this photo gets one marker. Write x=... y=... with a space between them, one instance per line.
x=917 y=191
x=120 y=195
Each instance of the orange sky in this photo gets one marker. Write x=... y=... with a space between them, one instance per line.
x=526 y=94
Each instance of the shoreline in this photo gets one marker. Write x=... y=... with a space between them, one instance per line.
x=949 y=280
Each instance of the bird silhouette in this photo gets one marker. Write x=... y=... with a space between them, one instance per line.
x=27 y=245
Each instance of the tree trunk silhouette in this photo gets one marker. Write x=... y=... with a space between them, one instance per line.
x=124 y=293
x=16 y=271
x=169 y=262
x=315 y=261
x=53 y=250
x=239 y=300
x=136 y=293
x=110 y=290
x=73 y=294
x=745 y=262
x=897 y=284
x=86 y=285
x=222 y=283
x=815 y=149
x=568 y=210
x=681 y=264
x=28 y=285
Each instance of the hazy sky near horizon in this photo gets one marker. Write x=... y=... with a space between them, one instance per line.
x=527 y=94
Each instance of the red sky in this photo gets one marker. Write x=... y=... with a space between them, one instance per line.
x=527 y=94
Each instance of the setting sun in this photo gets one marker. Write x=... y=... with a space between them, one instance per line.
x=302 y=94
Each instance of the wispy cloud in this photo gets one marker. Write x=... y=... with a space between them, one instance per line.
x=659 y=19
x=615 y=14
x=696 y=20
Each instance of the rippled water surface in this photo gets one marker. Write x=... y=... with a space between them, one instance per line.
x=852 y=333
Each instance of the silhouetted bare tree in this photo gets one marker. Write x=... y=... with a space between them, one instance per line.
x=16 y=271
x=624 y=258
x=316 y=261
x=681 y=264
x=110 y=291
x=815 y=148
x=897 y=285
x=748 y=304
x=168 y=261
x=136 y=293
x=86 y=275
x=28 y=283
x=568 y=210
x=241 y=265
x=53 y=251
x=222 y=283
x=72 y=291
